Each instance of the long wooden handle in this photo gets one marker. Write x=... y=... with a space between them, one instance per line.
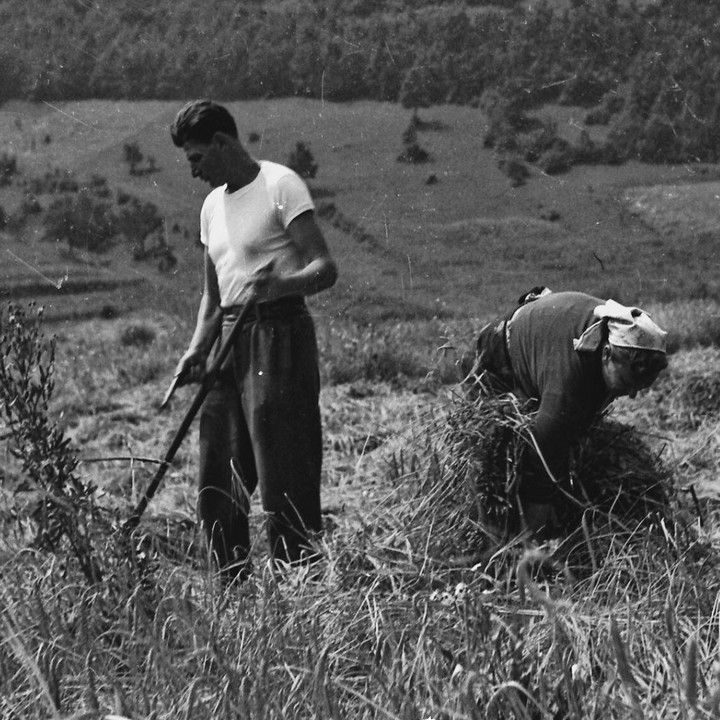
x=208 y=381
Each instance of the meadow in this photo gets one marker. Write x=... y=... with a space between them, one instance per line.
x=399 y=620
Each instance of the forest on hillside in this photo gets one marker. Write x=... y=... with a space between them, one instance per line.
x=650 y=72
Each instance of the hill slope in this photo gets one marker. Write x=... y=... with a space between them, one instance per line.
x=466 y=244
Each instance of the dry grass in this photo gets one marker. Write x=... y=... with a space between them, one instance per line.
x=408 y=615
x=379 y=630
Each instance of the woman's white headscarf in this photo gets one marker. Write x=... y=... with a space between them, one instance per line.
x=627 y=327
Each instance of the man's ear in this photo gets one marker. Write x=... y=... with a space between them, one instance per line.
x=221 y=139
x=606 y=352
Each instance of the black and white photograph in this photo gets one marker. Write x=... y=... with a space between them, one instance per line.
x=359 y=360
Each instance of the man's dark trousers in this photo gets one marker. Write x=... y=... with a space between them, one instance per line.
x=260 y=425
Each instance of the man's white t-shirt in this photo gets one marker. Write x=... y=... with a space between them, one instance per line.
x=246 y=229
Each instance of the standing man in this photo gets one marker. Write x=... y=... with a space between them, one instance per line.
x=570 y=355
x=261 y=420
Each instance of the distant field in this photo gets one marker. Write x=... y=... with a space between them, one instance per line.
x=673 y=210
x=465 y=245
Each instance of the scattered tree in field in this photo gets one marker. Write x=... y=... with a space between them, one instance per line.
x=412 y=152
x=133 y=156
x=415 y=91
x=301 y=160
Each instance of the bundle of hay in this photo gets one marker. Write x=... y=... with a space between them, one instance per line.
x=617 y=475
x=461 y=490
x=466 y=499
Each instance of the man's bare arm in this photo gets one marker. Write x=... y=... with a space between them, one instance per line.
x=209 y=319
x=318 y=273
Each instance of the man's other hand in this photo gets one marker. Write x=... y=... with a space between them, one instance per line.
x=264 y=284
x=191 y=367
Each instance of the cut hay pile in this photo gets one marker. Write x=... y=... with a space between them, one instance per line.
x=462 y=498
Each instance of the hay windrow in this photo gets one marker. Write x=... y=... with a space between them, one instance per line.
x=459 y=497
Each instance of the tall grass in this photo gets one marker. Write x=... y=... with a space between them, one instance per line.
x=378 y=631
x=390 y=624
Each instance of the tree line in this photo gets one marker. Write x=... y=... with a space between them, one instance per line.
x=650 y=71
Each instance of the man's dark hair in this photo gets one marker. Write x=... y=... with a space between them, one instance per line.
x=199 y=120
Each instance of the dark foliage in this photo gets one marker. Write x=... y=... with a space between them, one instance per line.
x=301 y=160
x=515 y=169
x=81 y=220
x=58 y=502
x=412 y=152
x=8 y=168
x=662 y=59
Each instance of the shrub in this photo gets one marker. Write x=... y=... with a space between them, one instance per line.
x=253 y=137
x=53 y=181
x=136 y=221
x=8 y=168
x=409 y=136
x=414 y=154
x=301 y=160
x=61 y=504
x=137 y=335
x=551 y=216
x=82 y=221
x=109 y=312
x=132 y=155
x=515 y=169
x=558 y=159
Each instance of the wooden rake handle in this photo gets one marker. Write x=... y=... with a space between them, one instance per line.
x=208 y=381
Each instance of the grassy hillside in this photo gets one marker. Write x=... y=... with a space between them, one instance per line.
x=466 y=245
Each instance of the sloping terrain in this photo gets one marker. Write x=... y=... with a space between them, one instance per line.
x=448 y=237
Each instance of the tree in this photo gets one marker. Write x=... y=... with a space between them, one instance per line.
x=416 y=88
x=301 y=160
